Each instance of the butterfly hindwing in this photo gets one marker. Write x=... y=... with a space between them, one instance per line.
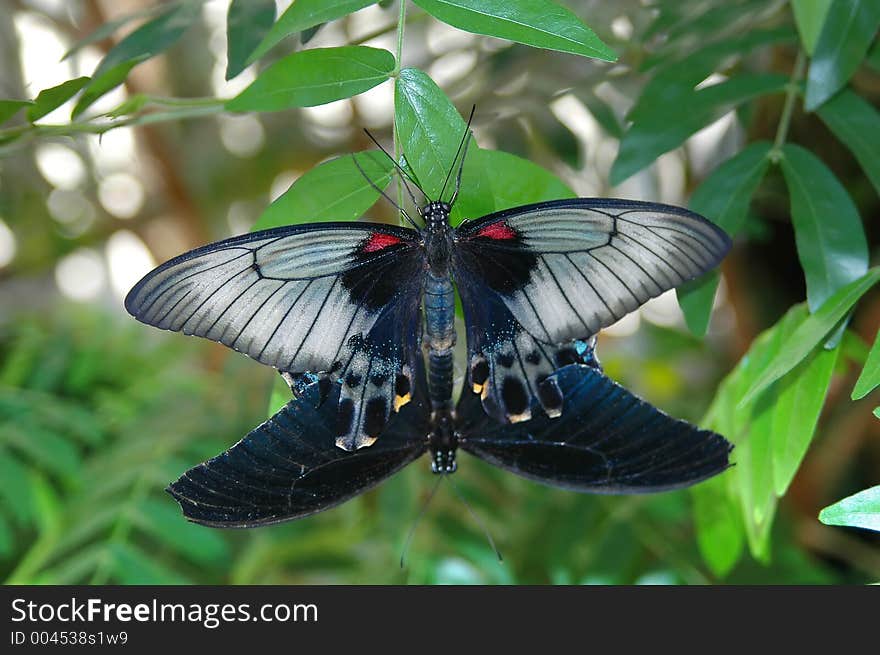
x=606 y=440
x=539 y=278
x=289 y=467
x=339 y=298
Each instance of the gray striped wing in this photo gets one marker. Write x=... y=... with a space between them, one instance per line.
x=335 y=298
x=537 y=281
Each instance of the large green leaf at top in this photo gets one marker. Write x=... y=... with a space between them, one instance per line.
x=430 y=130
x=809 y=16
x=869 y=379
x=517 y=181
x=538 y=23
x=333 y=191
x=668 y=127
x=50 y=99
x=861 y=510
x=830 y=238
x=856 y=123
x=315 y=77
x=810 y=333
x=724 y=199
x=247 y=22
x=848 y=31
x=304 y=14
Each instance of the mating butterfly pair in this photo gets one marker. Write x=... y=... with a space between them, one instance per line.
x=343 y=310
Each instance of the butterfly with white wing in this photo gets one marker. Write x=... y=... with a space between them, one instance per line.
x=343 y=311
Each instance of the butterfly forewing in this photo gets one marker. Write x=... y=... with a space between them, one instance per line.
x=533 y=279
x=606 y=440
x=337 y=298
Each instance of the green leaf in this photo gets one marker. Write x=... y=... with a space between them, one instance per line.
x=602 y=112
x=106 y=30
x=724 y=199
x=517 y=181
x=151 y=38
x=800 y=396
x=8 y=108
x=870 y=376
x=333 y=191
x=430 y=130
x=849 y=28
x=304 y=14
x=538 y=23
x=102 y=84
x=247 y=23
x=877 y=412
x=861 y=510
x=857 y=124
x=50 y=99
x=161 y=520
x=831 y=242
x=668 y=127
x=811 y=332
x=809 y=15
x=315 y=77
x=718 y=525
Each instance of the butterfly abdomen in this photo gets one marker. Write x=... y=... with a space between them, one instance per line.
x=440 y=333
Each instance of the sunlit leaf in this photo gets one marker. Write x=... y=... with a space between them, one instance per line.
x=668 y=127
x=718 y=524
x=315 y=77
x=831 y=242
x=857 y=124
x=305 y=14
x=538 y=23
x=333 y=191
x=517 y=181
x=811 y=332
x=247 y=23
x=849 y=28
x=430 y=130
x=9 y=108
x=800 y=396
x=861 y=510
x=724 y=199
x=809 y=16
x=50 y=99
x=869 y=379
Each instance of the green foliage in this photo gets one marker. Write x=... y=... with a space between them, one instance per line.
x=538 y=23
x=50 y=99
x=247 y=23
x=861 y=510
x=848 y=29
x=333 y=191
x=870 y=377
x=315 y=77
x=854 y=121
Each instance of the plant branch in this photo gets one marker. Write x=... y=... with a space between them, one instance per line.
x=792 y=91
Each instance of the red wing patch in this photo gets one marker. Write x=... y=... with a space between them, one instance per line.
x=499 y=231
x=379 y=241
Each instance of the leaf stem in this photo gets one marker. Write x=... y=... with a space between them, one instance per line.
x=792 y=90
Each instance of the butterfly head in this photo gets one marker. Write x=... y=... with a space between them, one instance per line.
x=436 y=215
x=443 y=442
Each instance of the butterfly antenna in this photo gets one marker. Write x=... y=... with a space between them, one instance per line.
x=475 y=518
x=384 y=195
x=404 y=176
x=415 y=524
x=463 y=144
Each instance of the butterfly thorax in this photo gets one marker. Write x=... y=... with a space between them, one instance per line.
x=443 y=442
x=438 y=237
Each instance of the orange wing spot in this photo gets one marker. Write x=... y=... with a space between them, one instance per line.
x=380 y=241
x=499 y=230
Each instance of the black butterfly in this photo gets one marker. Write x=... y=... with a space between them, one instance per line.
x=336 y=308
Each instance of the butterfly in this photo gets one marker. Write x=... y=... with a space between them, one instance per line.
x=343 y=311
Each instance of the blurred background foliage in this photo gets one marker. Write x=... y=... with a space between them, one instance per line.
x=750 y=112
